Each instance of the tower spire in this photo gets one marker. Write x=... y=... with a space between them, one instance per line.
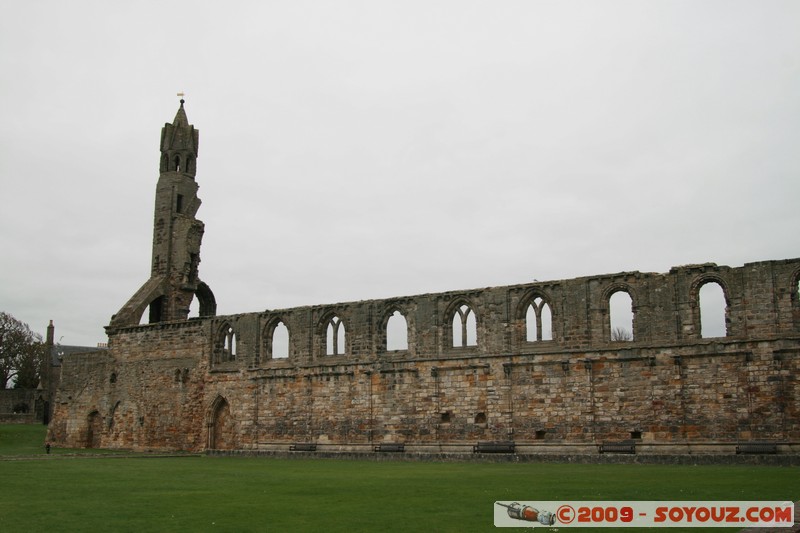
x=177 y=233
x=179 y=142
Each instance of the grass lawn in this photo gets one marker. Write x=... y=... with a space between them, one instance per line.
x=198 y=494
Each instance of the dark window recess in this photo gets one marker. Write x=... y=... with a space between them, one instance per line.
x=179 y=204
x=636 y=434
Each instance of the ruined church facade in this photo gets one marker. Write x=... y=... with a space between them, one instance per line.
x=536 y=363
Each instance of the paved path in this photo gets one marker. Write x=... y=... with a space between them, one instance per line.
x=793 y=529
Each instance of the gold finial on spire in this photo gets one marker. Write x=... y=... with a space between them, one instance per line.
x=181 y=94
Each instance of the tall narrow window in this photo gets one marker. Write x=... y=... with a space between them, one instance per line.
x=547 y=322
x=539 y=321
x=179 y=204
x=229 y=346
x=397 y=332
x=335 y=339
x=465 y=327
x=280 y=341
x=621 y=315
x=712 y=310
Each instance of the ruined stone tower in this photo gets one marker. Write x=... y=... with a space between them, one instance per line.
x=177 y=235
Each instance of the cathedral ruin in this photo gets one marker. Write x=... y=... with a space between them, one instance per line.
x=536 y=365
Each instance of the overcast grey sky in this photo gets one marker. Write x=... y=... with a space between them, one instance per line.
x=356 y=150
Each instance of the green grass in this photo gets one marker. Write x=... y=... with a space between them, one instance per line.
x=22 y=439
x=197 y=494
x=29 y=440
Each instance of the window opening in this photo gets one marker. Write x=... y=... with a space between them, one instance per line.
x=280 y=341
x=397 y=332
x=229 y=346
x=335 y=337
x=620 y=307
x=465 y=327
x=712 y=310
x=539 y=321
x=179 y=203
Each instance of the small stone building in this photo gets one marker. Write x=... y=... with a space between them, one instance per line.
x=540 y=364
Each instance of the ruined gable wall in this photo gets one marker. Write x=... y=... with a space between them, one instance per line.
x=147 y=390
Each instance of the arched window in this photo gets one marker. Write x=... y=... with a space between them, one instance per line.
x=335 y=339
x=229 y=348
x=539 y=321
x=225 y=347
x=465 y=327
x=620 y=307
x=713 y=306
x=279 y=347
x=397 y=332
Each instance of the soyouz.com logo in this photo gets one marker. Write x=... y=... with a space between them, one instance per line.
x=643 y=514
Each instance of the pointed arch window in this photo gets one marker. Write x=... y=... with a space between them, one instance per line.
x=225 y=346
x=539 y=321
x=397 y=332
x=335 y=337
x=229 y=346
x=279 y=342
x=465 y=327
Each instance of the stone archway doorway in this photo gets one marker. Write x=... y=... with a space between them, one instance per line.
x=221 y=429
x=94 y=430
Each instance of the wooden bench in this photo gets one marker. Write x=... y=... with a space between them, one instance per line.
x=395 y=447
x=625 y=446
x=494 y=447
x=303 y=447
x=756 y=447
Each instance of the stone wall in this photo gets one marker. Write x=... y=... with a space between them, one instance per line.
x=20 y=406
x=214 y=383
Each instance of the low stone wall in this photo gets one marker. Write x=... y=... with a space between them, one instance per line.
x=677 y=459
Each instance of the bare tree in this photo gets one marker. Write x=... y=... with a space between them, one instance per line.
x=621 y=334
x=21 y=353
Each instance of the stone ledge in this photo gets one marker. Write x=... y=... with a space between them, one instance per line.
x=685 y=459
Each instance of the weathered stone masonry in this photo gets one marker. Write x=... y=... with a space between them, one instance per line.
x=212 y=382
